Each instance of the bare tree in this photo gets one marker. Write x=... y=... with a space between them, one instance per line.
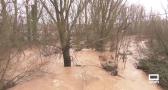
x=104 y=16
x=15 y=17
x=65 y=21
x=28 y=19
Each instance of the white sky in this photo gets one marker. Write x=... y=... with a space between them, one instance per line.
x=155 y=5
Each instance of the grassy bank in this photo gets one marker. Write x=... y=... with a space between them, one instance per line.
x=155 y=66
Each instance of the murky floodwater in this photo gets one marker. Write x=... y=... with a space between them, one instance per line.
x=90 y=76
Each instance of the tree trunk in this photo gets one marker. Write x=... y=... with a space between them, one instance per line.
x=4 y=16
x=100 y=46
x=100 y=43
x=34 y=20
x=15 y=19
x=28 y=21
x=66 y=55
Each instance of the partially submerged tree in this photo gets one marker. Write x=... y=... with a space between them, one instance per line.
x=33 y=13
x=65 y=17
x=104 y=17
x=34 y=19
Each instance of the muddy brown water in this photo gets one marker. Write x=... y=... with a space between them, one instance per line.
x=90 y=76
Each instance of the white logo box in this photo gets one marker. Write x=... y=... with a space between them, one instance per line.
x=154 y=75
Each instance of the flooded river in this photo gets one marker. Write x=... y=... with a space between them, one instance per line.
x=90 y=76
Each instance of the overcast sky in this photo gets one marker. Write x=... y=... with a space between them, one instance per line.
x=156 y=5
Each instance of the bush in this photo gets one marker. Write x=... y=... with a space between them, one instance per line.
x=152 y=66
x=110 y=67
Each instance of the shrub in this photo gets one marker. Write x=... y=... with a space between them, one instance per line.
x=152 y=66
x=110 y=67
